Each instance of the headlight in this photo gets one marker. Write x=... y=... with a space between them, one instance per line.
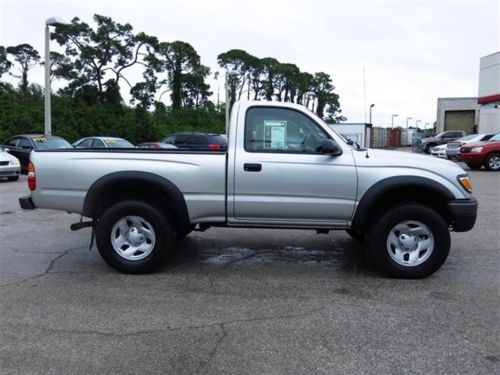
x=465 y=182
x=14 y=161
x=476 y=149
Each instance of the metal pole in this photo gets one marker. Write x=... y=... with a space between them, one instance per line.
x=227 y=104
x=48 y=124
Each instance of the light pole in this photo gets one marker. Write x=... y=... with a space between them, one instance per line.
x=425 y=127
x=371 y=106
x=52 y=21
x=392 y=120
x=416 y=123
x=408 y=118
x=228 y=73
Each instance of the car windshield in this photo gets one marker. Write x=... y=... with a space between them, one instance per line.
x=117 y=143
x=496 y=137
x=49 y=143
x=469 y=137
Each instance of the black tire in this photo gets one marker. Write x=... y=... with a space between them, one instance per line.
x=160 y=227
x=492 y=162
x=378 y=239
x=13 y=178
x=428 y=148
x=474 y=166
x=358 y=236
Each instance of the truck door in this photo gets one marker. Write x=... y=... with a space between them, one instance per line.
x=280 y=178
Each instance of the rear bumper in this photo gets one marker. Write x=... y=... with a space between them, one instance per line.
x=26 y=203
x=464 y=213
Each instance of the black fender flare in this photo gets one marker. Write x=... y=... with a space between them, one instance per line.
x=384 y=186
x=103 y=185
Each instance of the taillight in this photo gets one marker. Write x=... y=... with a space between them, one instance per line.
x=31 y=177
x=213 y=146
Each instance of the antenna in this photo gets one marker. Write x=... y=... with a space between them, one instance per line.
x=364 y=92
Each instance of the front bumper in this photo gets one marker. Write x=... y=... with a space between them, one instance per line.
x=464 y=213
x=471 y=158
x=10 y=171
x=26 y=203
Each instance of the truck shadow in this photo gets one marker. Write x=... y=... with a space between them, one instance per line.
x=224 y=248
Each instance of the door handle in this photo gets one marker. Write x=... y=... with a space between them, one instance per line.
x=252 y=167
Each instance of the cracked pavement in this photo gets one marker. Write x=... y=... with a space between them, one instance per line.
x=243 y=301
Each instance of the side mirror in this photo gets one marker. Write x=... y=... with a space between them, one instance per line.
x=330 y=147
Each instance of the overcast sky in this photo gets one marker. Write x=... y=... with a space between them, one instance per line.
x=412 y=52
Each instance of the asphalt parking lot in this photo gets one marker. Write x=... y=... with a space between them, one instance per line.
x=244 y=302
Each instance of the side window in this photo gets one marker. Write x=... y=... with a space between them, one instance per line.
x=170 y=140
x=198 y=140
x=86 y=143
x=269 y=129
x=24 y=144
x=12 y=142
x=97 y=143
x=182 y=139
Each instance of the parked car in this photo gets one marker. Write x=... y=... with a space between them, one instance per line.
x=439 y=151
x=21 y=145
x=102 y=142
x=156 y=145
x=453 y=148
x=442 y=138
x=197 y=141
x=10 y=166
x=487 y=153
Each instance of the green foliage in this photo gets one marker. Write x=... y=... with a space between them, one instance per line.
x=26 y=57
x=94 y=66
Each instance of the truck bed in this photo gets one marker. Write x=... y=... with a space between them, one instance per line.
x=69 y=173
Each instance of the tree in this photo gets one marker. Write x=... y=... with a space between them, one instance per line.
x=100 y=57
x=27 y=57
x=185 y=74
x=240 y=61
x=5 y=64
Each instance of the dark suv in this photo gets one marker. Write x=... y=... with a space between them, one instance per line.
x=441 y=139
x=197 y=141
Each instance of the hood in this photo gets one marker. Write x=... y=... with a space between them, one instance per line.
x=398 y=159
x=5 y=156
x=484 y=143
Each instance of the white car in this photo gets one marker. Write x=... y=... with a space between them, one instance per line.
x=10 y=166
x=439 y=151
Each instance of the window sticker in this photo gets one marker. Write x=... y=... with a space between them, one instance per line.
x=39 y=139
x=109 y=141
x=275 y=133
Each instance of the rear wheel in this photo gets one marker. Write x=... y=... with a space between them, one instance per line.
x=134 y=237
x=493 y=162
x=409 y=241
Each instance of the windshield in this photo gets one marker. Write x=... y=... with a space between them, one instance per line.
x=469 y=137
x=496 y=137
x=45 y=143
x=117 y=143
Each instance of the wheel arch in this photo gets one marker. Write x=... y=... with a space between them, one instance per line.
x=137 y=185
x=408 y=189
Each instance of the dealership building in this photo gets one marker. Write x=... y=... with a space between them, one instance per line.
x=478 y=114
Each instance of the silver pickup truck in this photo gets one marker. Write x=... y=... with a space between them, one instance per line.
x=284 y=168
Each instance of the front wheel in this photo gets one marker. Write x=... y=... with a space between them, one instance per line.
x=493 y=162
x=409 y=241
x=134 y=237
